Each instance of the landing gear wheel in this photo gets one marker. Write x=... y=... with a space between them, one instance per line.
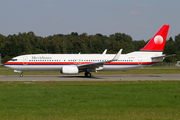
x=87 y=74
x=21 y=75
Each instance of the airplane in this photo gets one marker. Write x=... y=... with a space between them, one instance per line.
x=75 y=63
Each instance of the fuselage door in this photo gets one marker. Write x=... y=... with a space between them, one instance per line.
x=25 y=60
x=139 y=60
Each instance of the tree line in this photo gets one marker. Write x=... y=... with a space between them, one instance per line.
x=29 y=43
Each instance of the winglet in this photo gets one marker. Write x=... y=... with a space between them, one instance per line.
x=117 y=55
x=104 y=51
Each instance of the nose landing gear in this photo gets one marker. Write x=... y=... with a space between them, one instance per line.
x=21 y=75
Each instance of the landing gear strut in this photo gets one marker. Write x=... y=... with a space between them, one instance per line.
x=87 y=74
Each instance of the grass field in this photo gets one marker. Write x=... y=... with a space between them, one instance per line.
x=145 y=70
x=144 y=100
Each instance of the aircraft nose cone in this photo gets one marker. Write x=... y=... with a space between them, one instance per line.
x=5 y=63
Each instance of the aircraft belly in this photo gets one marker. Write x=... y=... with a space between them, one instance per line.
x=45 y=67
x=37 y=67
x=120 y=67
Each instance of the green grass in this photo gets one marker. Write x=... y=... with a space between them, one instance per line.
x=145 y=100
x=145 y=70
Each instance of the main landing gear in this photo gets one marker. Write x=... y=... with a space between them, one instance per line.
x=87 y=74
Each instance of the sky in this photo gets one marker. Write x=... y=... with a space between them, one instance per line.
x=140 y=19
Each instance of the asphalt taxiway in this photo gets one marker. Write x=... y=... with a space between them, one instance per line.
x=133 y=77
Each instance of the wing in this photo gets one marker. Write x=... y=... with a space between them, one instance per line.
x=98 y=65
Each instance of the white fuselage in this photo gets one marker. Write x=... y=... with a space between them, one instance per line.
x=55 y=62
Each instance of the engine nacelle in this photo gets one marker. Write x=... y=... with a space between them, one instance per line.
x=70 y=70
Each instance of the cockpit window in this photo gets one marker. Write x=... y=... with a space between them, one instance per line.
x=14 y=59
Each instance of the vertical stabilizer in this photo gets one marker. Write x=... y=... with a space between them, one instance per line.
x=158 y=41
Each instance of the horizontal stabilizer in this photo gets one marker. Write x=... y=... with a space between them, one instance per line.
x=163 y=56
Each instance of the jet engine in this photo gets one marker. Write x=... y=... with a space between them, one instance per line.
x=70 y=70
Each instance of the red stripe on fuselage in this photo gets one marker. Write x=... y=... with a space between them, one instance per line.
x=76 y=63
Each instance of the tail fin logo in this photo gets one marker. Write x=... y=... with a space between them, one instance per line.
x=158 y=40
